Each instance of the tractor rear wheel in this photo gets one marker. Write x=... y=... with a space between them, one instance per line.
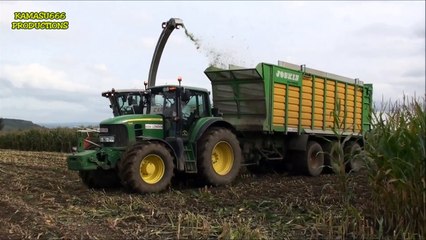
x=219 y=156
x=146 y=168
x=353 y=159
x=312 y=160
x=100 y=178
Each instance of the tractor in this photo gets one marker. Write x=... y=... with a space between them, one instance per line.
x=156 y=132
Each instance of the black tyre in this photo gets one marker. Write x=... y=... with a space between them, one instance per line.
x=353 y=158
x=312 y=160
x=146 y=168
x=219 y=156
x=100 y=178
x=331 y=155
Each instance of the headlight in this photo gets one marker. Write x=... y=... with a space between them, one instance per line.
x=103 y=130
x=106 y=139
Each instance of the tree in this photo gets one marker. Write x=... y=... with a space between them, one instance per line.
x=1 y=124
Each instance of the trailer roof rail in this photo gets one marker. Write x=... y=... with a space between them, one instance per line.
x=319 y=73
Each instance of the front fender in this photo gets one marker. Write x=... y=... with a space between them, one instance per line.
x=159 y=140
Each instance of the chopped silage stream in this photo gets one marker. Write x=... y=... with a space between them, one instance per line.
x=42 y=199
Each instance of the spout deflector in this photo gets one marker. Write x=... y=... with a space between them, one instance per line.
x=168 y=27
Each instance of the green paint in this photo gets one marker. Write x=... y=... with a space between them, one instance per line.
x=82 y=161
x=367 y=101
x=288 y=76
x=133 y=119
x=196 y=128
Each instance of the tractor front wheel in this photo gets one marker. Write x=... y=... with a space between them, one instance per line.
x=219 y=156
x=146 y=168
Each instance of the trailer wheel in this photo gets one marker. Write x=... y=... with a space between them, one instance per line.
x=100 y=178
x=312 y=162
x=146 y=168
x=354 y=161
x=219 y=156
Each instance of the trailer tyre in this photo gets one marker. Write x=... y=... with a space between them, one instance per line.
x=353 y=159
x=219 y=156
x=100 y=178
x=146 y=168
x=313 y=159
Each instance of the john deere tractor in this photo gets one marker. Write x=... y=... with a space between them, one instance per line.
x=156 y=132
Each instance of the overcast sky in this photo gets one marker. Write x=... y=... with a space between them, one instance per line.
x=49 y=76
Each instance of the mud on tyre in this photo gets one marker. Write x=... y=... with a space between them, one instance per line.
x=146 y=167
x=311 y=161
x=219 y=156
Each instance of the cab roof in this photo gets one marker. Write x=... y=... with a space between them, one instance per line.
x=155 y=87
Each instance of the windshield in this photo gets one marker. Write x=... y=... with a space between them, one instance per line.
x=163 y=103
x=128 y=103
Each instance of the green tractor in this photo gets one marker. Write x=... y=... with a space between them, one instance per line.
x=157 y=132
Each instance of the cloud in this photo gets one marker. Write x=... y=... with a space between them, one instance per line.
x=54 y=110
x=37 y=76
x=415 y=73
x=149 y=42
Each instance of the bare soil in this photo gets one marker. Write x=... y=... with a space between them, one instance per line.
x=41 y=198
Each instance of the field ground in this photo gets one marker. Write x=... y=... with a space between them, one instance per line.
x=40 y=198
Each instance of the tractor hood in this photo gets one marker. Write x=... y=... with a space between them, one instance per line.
x=132 y=119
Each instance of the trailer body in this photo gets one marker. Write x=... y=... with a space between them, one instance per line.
x=293 y=115
x=289 y=98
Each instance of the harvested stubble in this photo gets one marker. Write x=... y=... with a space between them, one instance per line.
x=41 y=198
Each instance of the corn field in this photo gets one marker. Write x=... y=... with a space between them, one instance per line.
x=49 y=140
x=396 y=150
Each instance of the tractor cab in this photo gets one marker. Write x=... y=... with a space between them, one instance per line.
x=180 y=107
x=128 y=101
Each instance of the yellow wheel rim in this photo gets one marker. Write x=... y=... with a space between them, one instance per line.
x=151 y=169
x=222 y=158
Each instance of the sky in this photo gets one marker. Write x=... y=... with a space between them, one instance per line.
x=57 y=76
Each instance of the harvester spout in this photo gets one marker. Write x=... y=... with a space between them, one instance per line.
x=168 y=27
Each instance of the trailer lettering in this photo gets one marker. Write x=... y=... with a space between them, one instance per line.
x=287 y=76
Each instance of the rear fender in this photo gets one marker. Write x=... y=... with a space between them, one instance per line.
x=203 y=124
